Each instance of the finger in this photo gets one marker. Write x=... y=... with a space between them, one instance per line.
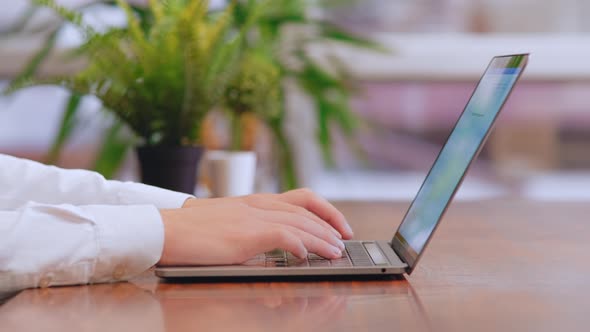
x=319 y=206
x=302 y=223
x=273 y=204
x=315 y=244
x=279 y=237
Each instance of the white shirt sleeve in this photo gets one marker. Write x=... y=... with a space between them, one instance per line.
x=48 y=245
x=62 y=227
x=22 y=181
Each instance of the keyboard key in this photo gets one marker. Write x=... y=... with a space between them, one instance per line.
x=298 y=263
x=375 y=253
x=319 y=263
x=258 y=261
x=276 y=264
x=358 y=255
x=314 y=257
x=341 y=262
x=276 y=253
x=275 y=259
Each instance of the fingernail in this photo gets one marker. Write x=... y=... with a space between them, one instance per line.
x=340 y=245
x=304 y=254
x=348 y=227
x=349 y=230
x=337 y=252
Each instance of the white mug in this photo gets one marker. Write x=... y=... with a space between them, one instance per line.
x=231 y=173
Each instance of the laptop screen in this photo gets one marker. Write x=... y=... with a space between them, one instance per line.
x=461 y=148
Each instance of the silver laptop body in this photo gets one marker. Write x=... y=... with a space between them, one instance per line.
x=401 y=255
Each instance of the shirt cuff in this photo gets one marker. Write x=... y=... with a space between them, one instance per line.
x=132 y=193
x=130 y=240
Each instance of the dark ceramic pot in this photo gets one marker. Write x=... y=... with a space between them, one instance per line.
x=170 y=167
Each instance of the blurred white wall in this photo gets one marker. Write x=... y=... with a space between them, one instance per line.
x=489 y=16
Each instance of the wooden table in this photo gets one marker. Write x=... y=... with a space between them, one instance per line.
x=494 y=265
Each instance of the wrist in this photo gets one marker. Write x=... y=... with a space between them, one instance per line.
x=167 y=216
x=194 y=202
x=188 y=202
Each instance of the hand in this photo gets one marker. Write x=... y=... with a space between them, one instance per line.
x=233 y=230
x=300 y=200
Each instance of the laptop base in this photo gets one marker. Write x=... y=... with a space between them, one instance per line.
x=387 y=263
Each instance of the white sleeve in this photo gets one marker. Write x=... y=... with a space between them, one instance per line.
x=48 y=245
x=22 y=181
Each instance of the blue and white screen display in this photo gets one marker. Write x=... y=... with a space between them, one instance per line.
x=461 y=147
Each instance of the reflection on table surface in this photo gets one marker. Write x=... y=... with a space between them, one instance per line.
x=258 y=306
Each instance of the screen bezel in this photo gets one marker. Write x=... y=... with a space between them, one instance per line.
x=398 y=243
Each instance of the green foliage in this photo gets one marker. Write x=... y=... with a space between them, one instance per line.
x=256 y=88
x=176 y=60
x=113 y=150
x=162 y=78
x=68 y=123
x=70 y=16
x=330 y=95
x=329 y=90
x=29 y=71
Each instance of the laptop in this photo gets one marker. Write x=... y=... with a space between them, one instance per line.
x=403 y=252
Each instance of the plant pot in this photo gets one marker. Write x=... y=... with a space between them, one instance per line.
x=231 y=173
x=170 y=167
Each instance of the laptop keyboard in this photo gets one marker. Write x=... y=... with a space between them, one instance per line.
x=355 y=254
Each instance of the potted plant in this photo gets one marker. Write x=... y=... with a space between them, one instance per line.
x=328 y=88
x=266 y=21
x=159 y=79
x=252 y=94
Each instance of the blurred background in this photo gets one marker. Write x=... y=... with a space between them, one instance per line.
x=408 y=97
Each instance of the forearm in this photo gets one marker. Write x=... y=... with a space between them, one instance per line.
x=24 y=181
